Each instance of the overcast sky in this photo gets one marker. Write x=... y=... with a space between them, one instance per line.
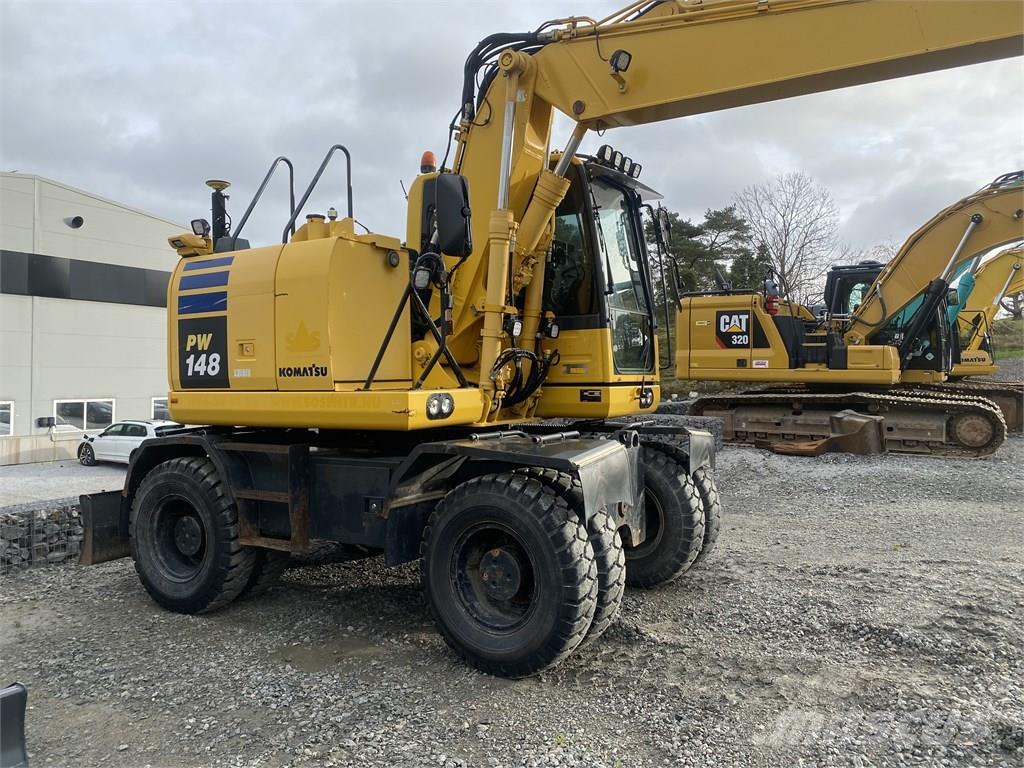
x=141 y=102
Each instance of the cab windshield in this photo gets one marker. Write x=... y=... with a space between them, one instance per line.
x=626 y=298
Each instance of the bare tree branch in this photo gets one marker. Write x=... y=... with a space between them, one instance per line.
x=796 y=221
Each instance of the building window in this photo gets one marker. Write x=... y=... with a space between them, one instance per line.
x=6 y=418
x=159 y=409
x=74 y=415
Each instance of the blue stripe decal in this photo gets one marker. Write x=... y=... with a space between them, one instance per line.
x=221 y=262
x=214 y=301
x=209 y=280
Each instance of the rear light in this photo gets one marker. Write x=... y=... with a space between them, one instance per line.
x=771 y=305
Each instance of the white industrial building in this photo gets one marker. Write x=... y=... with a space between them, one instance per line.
x=83 y=328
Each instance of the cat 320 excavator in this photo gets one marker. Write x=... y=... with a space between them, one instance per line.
x=871 y=367
x=397 y=397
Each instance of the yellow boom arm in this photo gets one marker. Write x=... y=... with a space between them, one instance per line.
x=998 y=277
x=991 y=217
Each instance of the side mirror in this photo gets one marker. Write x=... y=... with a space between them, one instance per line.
x=953 y=297
x=451 y=206
x=663 y=228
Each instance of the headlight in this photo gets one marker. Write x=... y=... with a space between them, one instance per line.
x=440 y=405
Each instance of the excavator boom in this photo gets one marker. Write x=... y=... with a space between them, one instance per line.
x=991 y=217
x=997 y=278
x=689 y=58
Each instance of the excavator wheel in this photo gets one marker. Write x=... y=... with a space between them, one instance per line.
x=704 y=479
x=183 y=533
x=509 y=573
x=268 y=567
x=675 y=523
x=608 y=551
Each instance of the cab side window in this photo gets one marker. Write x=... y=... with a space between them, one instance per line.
x=568 y=278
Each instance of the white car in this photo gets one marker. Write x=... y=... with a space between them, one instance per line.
x=119 y=441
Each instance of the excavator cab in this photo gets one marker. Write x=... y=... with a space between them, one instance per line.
x=598 y=275
x=847 y=285
x=598 y=290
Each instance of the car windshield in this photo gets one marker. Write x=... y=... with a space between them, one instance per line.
x=626 y=297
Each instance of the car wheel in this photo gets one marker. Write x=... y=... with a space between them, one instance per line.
x=87 y=456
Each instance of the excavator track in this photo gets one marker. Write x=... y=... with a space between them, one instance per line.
x=1008 y=395
x=922 y=423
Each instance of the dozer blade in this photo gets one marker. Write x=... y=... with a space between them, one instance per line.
x=106 y=529
x=13 y=699
x=851 y=432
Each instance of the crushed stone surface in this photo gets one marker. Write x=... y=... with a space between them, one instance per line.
x=858 y=611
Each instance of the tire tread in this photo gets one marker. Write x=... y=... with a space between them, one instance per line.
x=573 y=551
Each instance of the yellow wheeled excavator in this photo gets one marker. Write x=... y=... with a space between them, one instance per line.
x=882 y=346
x=468 y=396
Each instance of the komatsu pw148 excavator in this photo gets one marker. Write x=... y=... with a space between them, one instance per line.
x=392 y=393
x=883 y=347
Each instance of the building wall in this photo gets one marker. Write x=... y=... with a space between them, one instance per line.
x=67 y=349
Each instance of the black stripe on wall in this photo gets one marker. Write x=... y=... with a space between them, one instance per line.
x=54 y=277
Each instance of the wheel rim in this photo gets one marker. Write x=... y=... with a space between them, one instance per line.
x=86 y=454
x=492 y=576
x=654 y=518
x=179 y=539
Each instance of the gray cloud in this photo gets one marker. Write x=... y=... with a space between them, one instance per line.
x=142 y=102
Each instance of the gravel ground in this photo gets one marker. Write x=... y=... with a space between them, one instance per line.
x=1010 y=369
x=25 y=483
x=859 y=611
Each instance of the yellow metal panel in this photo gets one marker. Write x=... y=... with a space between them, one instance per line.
x=364 y=294
x=585 y=355
x=880 y=358
x=594 y=402
x=251 y=347
x=397 y=410
x=301 y=316
x=715 y=323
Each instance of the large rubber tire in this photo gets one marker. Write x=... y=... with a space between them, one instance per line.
x=675 y=523
x=87 y=456
x=606 y=542
x=611 y=572
x=184 y=538
x=704 y=479
x=267 y=568
x=511 y=518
